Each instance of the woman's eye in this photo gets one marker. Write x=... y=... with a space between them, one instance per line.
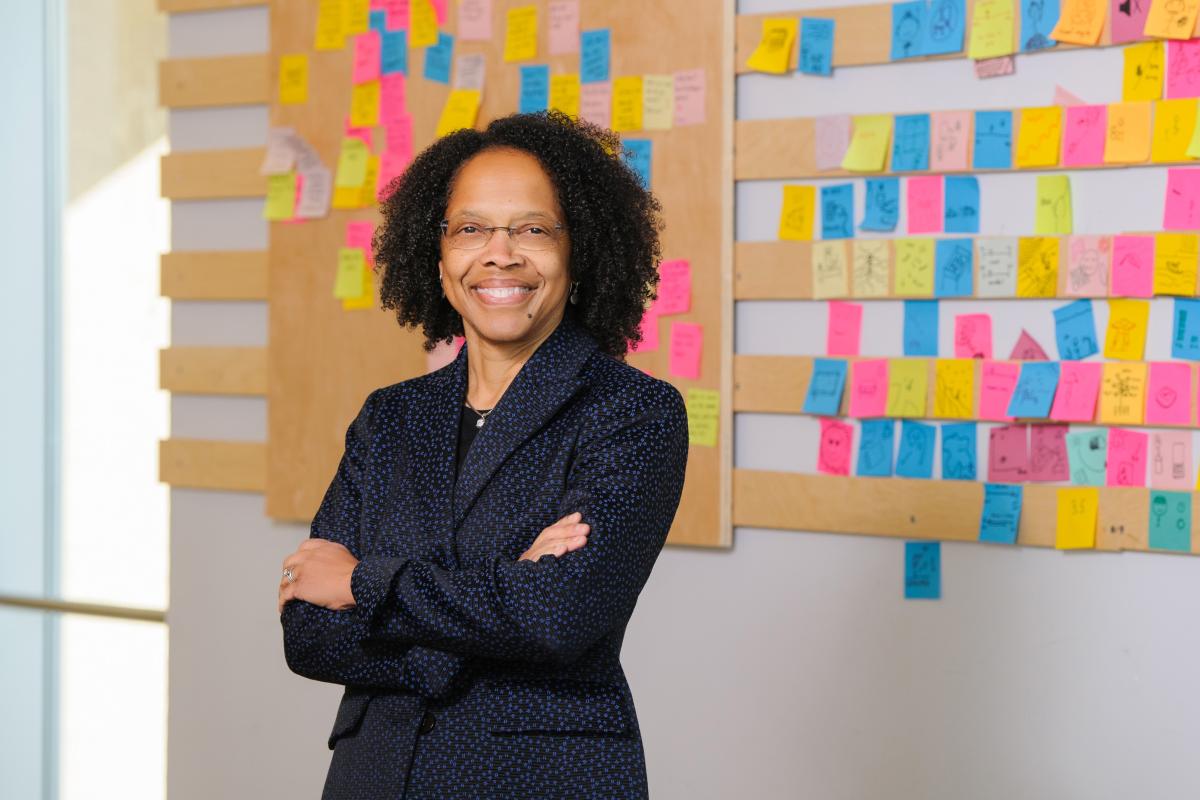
x=467 y=229
x=536 y=230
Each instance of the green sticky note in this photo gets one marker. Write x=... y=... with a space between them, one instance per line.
x=1171 y=521
x=703 y=406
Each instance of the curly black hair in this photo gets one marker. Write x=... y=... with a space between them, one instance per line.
x=613 y=222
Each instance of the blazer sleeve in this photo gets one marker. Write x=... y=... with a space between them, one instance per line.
x=626 y=481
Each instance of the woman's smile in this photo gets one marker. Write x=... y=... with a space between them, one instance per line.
x=502 y=292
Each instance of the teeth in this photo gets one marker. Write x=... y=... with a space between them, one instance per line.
x=504 y=291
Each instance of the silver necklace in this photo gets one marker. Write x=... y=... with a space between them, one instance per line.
x=483 y=415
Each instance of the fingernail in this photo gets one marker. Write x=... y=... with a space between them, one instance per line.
x=582 y=528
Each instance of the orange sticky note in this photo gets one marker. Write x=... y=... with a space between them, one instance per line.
x=1080 y=21
x=1175 y=257
x=1078 y=508
x=1122 y=393
x=1039 y=136
x=1127 y=140
x=1171 y=19
x=1174 y=122
x=796 y=217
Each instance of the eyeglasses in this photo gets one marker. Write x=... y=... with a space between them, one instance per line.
x=530 y=236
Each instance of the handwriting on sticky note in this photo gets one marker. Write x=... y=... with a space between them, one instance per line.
x=1127 y=140
x=1075 y=330
x=869 y=140
x=1171 y=521
x=816 y=45
x=992 y=29
x=829 y=270
x=521 y=34
x=954 y=388
x=1122 y=393
x=998 y=380
x=1171 y=20
x=1143 y=77
x=1175 y=256
x=882 y=208
x=1080 y=21
x=920 y=328
x=908 y=382
x=1027 y=349
x=922 y=570
x=1077 y=509
x=868 y=387
x=293 y=79
x=1183 y=68
x=1008 y=454
x=832 y=137
x=910 y=143
x=917 y=442
x=352 y=164
x=908 y=22
x=1078 y=388
x=1182 y=207
x=674 y=287
x=825 y=387
x=973 y=336
x=950 y=136
x=1053 y=214
x=1001 y=516
x=281 y=197
x=837 y=211
x=687 y=340
x=1133 y=266
x=993 y=140
x=997 y=266
x=658 y=102
x=1038 y=137
x=962 y=204
x=1185 y=332
x=474 y=20
x=703 y=411
x=833 y=456
x=954 y=270
x=1083 y=136
x=349 y=279
x=627 y=103
x=914 y=267
x=562 y=19
x=689 y=97
x=460 y=111
x=595 y=48
x=876 y=447
x=844 y=328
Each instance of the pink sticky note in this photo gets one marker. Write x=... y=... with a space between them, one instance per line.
x=997 y=382
x=1171 y=460
x=1078 y=388
x=439 y=8
x=1048 y=453
x=687 y=340
x=359 y=234
x=393 y=98
x=1083 y=136
x=833 y=457
x=595 y=103
x=1183 y=69
x=868 y=387
x=995 y=67
x=474 y=20
x=1062 y=97
x=391 y=166
x=925 y=213
x=364 y=134
x=1027 y=349
x=1088 y=260
x=649 y=331
x=1128 y=19
x=1133 y=266
x=1169 y=395
x=973 y=336
x=832 y=136
x=397 y=14
x=563 y=22
x=366 y=56
x=844 y=331
x=949 y=132
x=689 y=97
x=1126 y=457
x=399 y=137
x=1008 y=454
x=1182 y=208
x=674 y=287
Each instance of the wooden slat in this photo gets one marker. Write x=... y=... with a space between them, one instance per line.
x=214 y=275
x=214 y=370
x=212 y=174
x=204 y=82
x=176 y=6
x=203 y=464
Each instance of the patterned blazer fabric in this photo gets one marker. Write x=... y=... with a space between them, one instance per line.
x=469 y=673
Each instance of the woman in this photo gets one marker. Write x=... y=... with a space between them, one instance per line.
x=474 y=563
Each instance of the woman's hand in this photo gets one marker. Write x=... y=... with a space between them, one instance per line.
x=562 y=537
x=321 y=569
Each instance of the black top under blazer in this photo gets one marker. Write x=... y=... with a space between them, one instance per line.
x=469 y=673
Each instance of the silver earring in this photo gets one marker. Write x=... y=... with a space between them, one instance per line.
x=574 y=293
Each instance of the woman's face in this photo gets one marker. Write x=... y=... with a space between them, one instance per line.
x=504 y=291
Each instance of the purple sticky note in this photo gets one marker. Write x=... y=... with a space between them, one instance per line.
x=687 y=340
x=1171 y=460
x=1027 y=349
x=1008 y=454
x=1183 y=69
x=925 y=213
x=1128 y=20
x=1048 y=453
x=367 y=57
x=1169 y=396
x=1083 y=136
x=973 y=336
x=1078 y=388
x=674 y=287
x=1133 y=266
x=832 y=136
x=868 y=387
x=998 y=380
x=1182 y=207
x=1126 y=457
x=844 y=331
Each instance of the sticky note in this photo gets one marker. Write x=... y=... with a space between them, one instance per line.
x=1027 y=349
x=1171 y=521
x=562 y=19
x=774 y=46
x=1175 y=257
x=1182 y=207
x=1037 y=21
x=997 y=266
x=882 y=209
x=796 y=215
x=364 y=105
x=992 y=29
x=1048 y=460
x=595 y=47
x=329 y=34
x=954 y=388
x=1183 y=68
x=1001 y=516
x=954 y=268
x=474 y=20
x=1035 y=390
x=1077 y=509
x=627 y=103
x=1174 y=123
x=962 y=204
x=1075 y=330
x=1087 y=452
x=355 y=16
x=1053 y=215
x=1185 y=332
x=871 y=271
x=564 y=93
x=825 y=387
x=293 y=79
x=352 y=164
x=281 y=197
x=1122 y=393
x=687 y=340
x=832 y=136
x=917 y=440
x=876 y=445
x=920 y=327
x=1126 y=337
x=973 y=336
x=910 y=143
x=1133 y=266
x=1127 y=20
x=1037 y=266
x=1171 y=20
x=349 y=279
x=393 y=102
x=1171 y=460
x=1169 y=396
x=868 y=143
x=639 y=155
x=914 y=267
x=648 y=329
x=831 y=275
x=908 y=384
x=658 y=102
x=925 y=204
x=1143 y=78
x=951 y=135
x=1088 y=260
x=422 y=24
x=1008 y=454
x=460 y=110
x=689 y=97
x=1038 y=136
x=315 y=190
x=367 y=57
x=868 y=387
x=993 y=140
x=958 y=451
x=535 y=88
x=1078 y=388
x=922 y=570
x=1128 y=137
x=1080 y=21
x=833 y=455
x=703 y=408
x=1084 y=133
x=1126 y=463
x=945 y=26
x=521 y=34
x=438 y=59
x=908 y=22
x=674 y=287
x=837 y=211
x=816 y=46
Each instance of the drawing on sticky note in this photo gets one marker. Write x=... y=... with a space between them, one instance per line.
x=1126 y=457
x=1123 y=393
x=914 y=267
x=1048 y=453
x=833 y=457
x=1037 y=266
x=958 y=451
x=871 y=267
x=973 y=336
x=954 y=388
x=1008 y=454
x=1087 y=454
x=1087 y=265
x=875 y=447
x=997 y=267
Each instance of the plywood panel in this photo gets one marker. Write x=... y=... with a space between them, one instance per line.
x=213 y=174
x=205 y=5
x=203 y=464
x=214 y=370
x=214 y=275
x=203 y=82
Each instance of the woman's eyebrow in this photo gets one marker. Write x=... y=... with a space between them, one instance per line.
x=470 y=212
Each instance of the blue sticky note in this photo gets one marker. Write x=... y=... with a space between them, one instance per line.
x=908 y=28
x=439 y=57
x=1075 y=330
x=393 y=53
x=953 y=268
x=961 y=204
x=595 y=48
x=1185 y=333
x=378 y=21
x=910 y=142
x=816 y=46
x=993 y=140
x=1001 y=513
x=876 y=446
x=825 y=386
x=637 y=154
x=1035 y=390
x=945 y=24
x=535 y=88
x=958 y=451
x=1171 y=521
x=922 y=570
x=917 y=440
x=1037 y=21
x=883 y=204
x=837 y=211
x=920 y=327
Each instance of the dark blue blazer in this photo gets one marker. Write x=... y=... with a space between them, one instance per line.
x=469 y=673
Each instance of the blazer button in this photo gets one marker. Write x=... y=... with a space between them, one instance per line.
x=427 y=722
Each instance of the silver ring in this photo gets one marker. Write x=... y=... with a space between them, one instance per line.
x=291 y=576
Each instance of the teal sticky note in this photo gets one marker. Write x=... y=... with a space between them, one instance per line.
x=1038 y=18
x=910 y=142
x=1001 y=513
x=908 y=26
x=1075 y=331
x=961 y=204
x=1185 y=333
x=958 y=451
x=595 y=48
x=825 y=387
x=993 y=140
x=638 y=154
x=1171 y=521
x=920 y=327
x=1087 y=455
x=922 y=570
x=393 y=53
x=816 y=46
x=945 y=25
x=1035 y=390
x=535 y=88
x=882 y=209
x=917 y=440
x=954 y=271
x=439 y=57
x=837 y=211
x=876 y=446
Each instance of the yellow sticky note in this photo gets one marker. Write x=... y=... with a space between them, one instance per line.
x=658 y=102
x=352 y=163
x=627 y=103
x=351 y=264
x=914 y=267
x=830 y=273
x=422 y=24
x=796 y=218
x=1053 y=205
x=460 y=111
x=364 y=300
x=1126 y=337
x=1122 y=393
x=368 y=193
x=364 y=104
x=869 y=143
x=356 y=16
x=293 y=79
x=871 y=276
x=329 y=35
x=1193 y=148
x=564 y=93
x=520 y=36
x=281 y=197
x=774 y=50
x=1175 y=257
x=703 y=407
x=954 y=392
x=992 y=32
x=1037 y=266
x=1039 y=136
x=1171 y=19
x=1174 y=124
x=1080 y=21
x=346 y=197
x=1127 y=140
x=1078 y=508
x=1143 y=72
x=908 y=387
